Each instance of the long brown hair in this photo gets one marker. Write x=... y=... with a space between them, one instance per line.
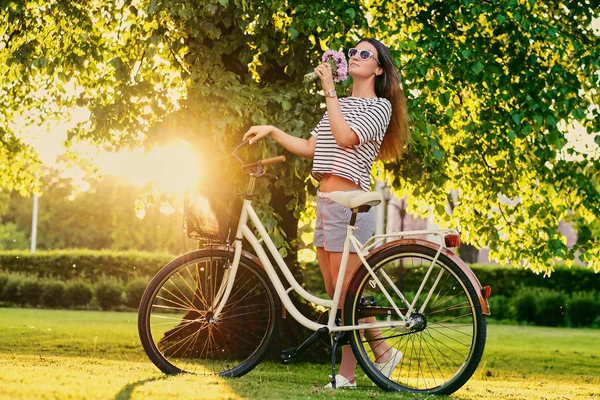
x=389 y=86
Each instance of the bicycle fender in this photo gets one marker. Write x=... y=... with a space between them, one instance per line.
x=485 y=307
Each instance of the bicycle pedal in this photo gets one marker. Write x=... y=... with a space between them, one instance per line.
x=289 y=355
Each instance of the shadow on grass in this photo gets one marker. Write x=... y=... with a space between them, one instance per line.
x=125 y=392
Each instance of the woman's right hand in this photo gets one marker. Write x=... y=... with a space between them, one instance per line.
x=257 y=132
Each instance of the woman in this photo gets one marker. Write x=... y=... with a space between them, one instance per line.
x=371 y=123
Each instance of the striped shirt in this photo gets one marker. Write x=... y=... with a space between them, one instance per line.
x=369 y=119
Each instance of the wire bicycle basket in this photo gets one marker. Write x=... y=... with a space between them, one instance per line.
x=211 y=216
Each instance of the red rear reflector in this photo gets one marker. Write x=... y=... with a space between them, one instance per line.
x=452 y=240
x=486 y=292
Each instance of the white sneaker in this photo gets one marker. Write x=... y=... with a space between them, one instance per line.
x=390 y=365
x=341 y=383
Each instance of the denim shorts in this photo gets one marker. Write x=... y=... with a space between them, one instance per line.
x=332 y=222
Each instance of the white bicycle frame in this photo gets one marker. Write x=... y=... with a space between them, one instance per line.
x=362 y=250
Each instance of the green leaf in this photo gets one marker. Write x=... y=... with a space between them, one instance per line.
x=527 y=129
x=212 y=9
x=428 y=130
x=578 y=114
x=517 y=118
x=466 y=54
x=433 y=84
x=293 y=33
x=477 y=67
x=552 y=138
x=283 y=252
x=511 y=135
x=440 y=209
x=444 y=99
x=439 y=154
x=551 y=120
x=286 y=105
x=351 y=13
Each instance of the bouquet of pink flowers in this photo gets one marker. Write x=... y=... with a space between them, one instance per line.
x=339 y=66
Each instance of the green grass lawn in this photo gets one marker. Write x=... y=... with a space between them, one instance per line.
x=52 y=354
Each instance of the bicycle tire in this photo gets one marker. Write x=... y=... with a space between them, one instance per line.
x=174 y=316
x=451 y=329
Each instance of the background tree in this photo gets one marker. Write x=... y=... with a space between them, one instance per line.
x=101 y=217
x=491 y=85
x=494 y=85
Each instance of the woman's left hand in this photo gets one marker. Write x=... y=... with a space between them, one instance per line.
x=323 y=71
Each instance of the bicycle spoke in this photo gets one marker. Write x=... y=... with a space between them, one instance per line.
x=433 y=359
x=187 y=300
x=452 y=329
x=443 y=343
x=455 y=317
x=237 y=335
x=446 y=358
x=168 y=307
x=228 y=316
x=451 y=308
x=451 y=338
x=183 y=303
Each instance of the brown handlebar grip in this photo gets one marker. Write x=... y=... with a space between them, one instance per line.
x=274 y=160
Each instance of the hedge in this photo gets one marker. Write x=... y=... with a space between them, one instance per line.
x=507 y=281
x=538 y=306
x=109 y=294
x=85 y=264
x=583 y=309
x=128 y=265
x=17 y=289
x=511 y=297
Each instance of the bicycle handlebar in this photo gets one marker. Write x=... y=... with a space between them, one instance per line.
x=271 y=161
x=264 y=162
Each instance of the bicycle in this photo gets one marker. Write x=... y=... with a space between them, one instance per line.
x=216 y=310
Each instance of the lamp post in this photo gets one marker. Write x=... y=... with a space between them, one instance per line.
x=380 y=209
x=34 y=218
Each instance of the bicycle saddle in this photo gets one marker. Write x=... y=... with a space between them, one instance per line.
x=355 y=198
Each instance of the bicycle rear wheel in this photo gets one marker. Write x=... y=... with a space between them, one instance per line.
x=442 y=350
x=175 y=317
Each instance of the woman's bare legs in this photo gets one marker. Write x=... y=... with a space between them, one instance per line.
x=329 y=263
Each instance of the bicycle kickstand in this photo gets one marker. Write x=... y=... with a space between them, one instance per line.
x=335 y=341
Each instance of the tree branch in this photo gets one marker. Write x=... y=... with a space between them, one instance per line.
x=12 y=34
x=178 y=61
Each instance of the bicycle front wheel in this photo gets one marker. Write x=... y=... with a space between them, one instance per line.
x=176 y=323
x=442 y=349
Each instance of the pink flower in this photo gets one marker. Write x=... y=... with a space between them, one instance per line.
x=339 y=66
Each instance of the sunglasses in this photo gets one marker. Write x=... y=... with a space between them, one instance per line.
x=363 y=54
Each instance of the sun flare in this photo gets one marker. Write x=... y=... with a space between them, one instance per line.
x=172 y=168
